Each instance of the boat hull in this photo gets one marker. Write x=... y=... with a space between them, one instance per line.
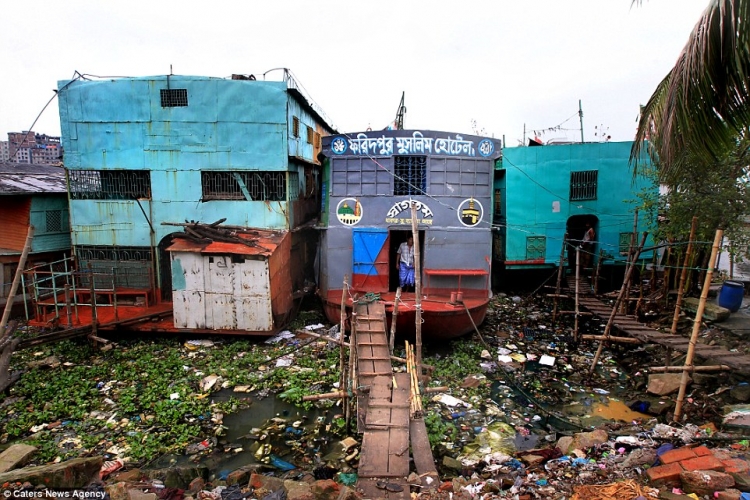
x=441 y=318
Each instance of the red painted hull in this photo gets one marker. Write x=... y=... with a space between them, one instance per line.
x=441 y=320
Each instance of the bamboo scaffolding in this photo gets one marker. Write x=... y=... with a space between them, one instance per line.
x=697 y=324
x=681 y=287
x=620 y=296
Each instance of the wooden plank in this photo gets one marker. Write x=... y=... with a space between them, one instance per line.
x=422 y=454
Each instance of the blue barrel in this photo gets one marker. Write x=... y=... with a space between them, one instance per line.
x=730 y=296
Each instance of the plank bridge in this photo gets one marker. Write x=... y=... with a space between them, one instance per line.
x=391 y=432
x=629 y=325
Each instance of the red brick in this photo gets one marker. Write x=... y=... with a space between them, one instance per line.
x=736 y=465
x=665 y=473
x=702 y=451
x=709 y=462
x=676 y=455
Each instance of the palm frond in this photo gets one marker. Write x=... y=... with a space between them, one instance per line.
x=702 y=103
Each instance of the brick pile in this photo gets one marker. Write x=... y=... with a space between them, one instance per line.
x=678 y=467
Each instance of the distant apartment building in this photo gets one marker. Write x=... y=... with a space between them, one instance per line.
x=29 y=147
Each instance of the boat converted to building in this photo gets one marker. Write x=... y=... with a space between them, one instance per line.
x=370 y=181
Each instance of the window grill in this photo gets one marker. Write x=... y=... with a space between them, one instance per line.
x=53 y=221
x=129 y=267
x=536 y=247
x=295 y=126
x=293 y=186
x=174 y=98
x=244 y=185
x=583 y=185
x=624 y=243
x=309 y=135
x=317 y=143
x=109 y=184
x=410 y=175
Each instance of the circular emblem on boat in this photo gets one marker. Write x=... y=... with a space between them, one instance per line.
x=349 y=211
x=338 y=145
x=470 y=212
x=486 y=147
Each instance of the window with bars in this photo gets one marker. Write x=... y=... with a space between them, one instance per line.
x=583 y=185
x=53 y=221
x=128 y=267
x=624 y=243
x=536 y=247
x=174 y=98
x=246 y=185
x=293 y=186
x=110 y=184
x=410 y=175
x=317 y=143
x=295 y=126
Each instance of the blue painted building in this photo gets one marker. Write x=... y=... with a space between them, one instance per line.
x=142 y=152
x=544 y=192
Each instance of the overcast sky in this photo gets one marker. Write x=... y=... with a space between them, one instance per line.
x=489 y=66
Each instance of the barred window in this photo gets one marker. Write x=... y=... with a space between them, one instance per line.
x=53 y=221
x=128 y=267
x=410 y=175
x=293 y=186
x=536 y=247
x=174 y=98
x=244 y=185
x=317 y=142
x=583 y=185
x=309 y=135
x=110 y=184
x=624 y=243
x=295 y=126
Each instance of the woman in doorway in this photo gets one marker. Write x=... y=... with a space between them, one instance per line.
x=405 y=264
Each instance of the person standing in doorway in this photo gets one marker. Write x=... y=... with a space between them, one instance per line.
x=405 y=264
x=587 y=246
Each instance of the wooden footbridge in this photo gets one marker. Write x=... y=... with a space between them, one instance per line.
x=385 y=414
x=629 y=325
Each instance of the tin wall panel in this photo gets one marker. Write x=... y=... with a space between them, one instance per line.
x=14 y=220
x=189 y=309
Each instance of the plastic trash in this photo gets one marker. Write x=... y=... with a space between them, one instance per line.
x=280 y=464
x=347 y=479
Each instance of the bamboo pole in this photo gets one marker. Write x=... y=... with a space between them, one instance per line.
x=631 y=250
x=611 y=338
x=352 y=378
x=697 y=324
x=667 y=274
x=681 y=286
x=559 y=276
x=342 y=358
x=597 y=272
x=707 y=368
x=326 y=395
x=578 y=280
x=16 y=280
x=394 y=315
x=417 y=288
x=620 y=296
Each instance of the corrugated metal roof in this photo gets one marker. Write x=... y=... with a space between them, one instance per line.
x=265 y=243
x=24 y=178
